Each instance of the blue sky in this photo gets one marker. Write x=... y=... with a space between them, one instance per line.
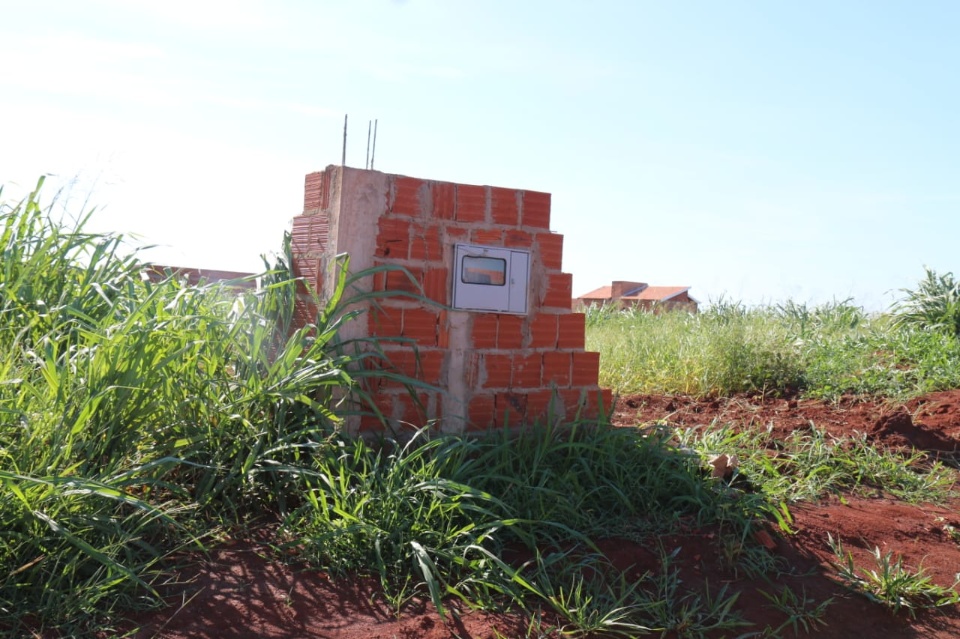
x=753 y=150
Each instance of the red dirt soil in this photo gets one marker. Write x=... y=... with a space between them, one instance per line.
x=238 y=592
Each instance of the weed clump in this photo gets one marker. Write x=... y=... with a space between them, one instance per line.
x=787 y=350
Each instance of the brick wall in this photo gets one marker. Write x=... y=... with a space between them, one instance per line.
x=488 y=369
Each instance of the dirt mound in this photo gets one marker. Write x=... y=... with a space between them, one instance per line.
x=939 y=412
x=238 y=592
x=921 y=535
x=930 y=423
x=897 y=429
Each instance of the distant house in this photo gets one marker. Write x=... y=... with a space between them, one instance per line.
x=197 y=276
x=642 y=295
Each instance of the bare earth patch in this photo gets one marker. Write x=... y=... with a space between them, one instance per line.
x=238 y=591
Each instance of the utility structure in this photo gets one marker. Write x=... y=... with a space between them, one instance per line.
x=497 y=341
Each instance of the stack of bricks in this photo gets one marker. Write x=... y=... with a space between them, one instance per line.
x=483 y=369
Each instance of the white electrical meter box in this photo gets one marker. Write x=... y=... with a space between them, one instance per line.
x=488 y=278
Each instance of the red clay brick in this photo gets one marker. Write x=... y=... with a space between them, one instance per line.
x=571 y=330
x=392 y=248
x=307 y=272
x=391 y=227
x=471 y=203
x=456 y=233
x=372 y=383
x=527 y=370
x=304 y=312
x=435 y=285
x=597 y=404
x=499 y=369
x=307 y=268
x=515 y=238
x=606 y=399
x=543 y=331
x=386 y=401
x=313 y=191
x=484 y=330
x=423 y=364
x=393 y=238
x=409 y=280
x=559 y=292
x=385 y=322
x=487 y=236
x=431 y=365
x=574 y=399
x=425 y=243
x=586 y=369
x=509 y=331
x=444 y=195
x=511 y=409
x=406 y=196
x=481 y=411
x=300 y=240
x=503 y=206
x=551 y=250
x=556 y=368
x=536 y=210
x=309 y=236
x=394 y=362
x=420 y=325
x=304 y=286
x=414 y=409
x=539 y=405
x=370 y=424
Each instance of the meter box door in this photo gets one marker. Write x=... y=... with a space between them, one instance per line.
x=488 y=278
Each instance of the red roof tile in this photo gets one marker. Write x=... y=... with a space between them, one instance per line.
x=602 y=293
x=658 y=293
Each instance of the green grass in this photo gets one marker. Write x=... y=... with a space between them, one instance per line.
x=597 y=599
x=808 y=465
x=135 y=416
x=712 y=353
x=788 y=349
x=801 y=612
x=933 y=305
x=140 y=419
x=449 y=507
x=892 y=584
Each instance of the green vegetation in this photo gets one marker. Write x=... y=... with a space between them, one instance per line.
x=449 y=507
x=800 y=611
x=596 y=598
x=935 y=304
x=809 y=465
x=142 y=418
x=137 y=417
x=891 y=583
x=824 y=351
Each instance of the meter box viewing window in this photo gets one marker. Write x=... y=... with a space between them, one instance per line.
x=488 y=278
